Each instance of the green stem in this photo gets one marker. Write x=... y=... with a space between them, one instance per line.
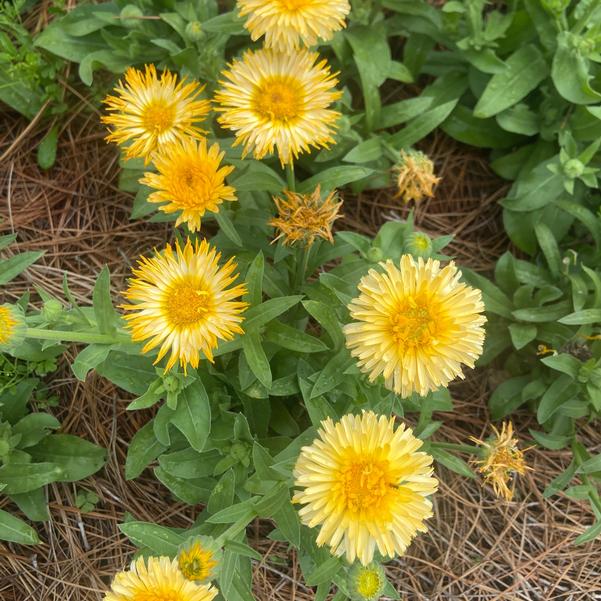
x=301 y=264
x=86 y=337
x=290 y=176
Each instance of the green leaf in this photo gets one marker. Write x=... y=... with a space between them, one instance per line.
x=507 y=396
x=33 y=504
x=223 y=493
x=228 y=22
x=548 y=245
x=161 y=540
x=86 y=360
x=542 y=314
x=235 y=513
x=452 y=462
x=13 y=266
x=590 y=465
x=558 y=393
x=550 y=441
x=130 y=372
x=521 y=334
x=261 y=314
x=20 y=478
x=535 y=190
x=273 y=501
x=15 y=530
x=227 y=227
x=324 y=572
x=143 y=448
x=327 y=319
x=193 y=415
x=191 y=491
x=421 y=126
x=495 y=301
x=47 y=149
x=334 y=177
x=586 y=217
x=365 y=152
x=524 y=70
x=254 y=280
x=519 y=119
x=189 y=464
x=33 y=427
x=253 y=176
x=77 y=458
x=571 y=72
x=242 y=549
x=332 y=373
x=591 y=533
x=105 y=314
x=256 y=358
x=564 y=363
x=583 y=317
x=293 y=339
x=288 y=523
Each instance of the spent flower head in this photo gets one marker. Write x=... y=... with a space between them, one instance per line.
x=305 y=217
x=502 y=460
x=415 y=176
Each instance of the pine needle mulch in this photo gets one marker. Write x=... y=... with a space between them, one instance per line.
x=478 y=548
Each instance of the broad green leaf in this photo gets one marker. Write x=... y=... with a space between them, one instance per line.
x=590 y=465
x=549 y=246
x=452 y=462
x=332 y=373
x=541 y=314
x=550 y=441
x=20 y=478
x=582 y=317
x=76 y=457
x=273 y=501
x=227 y=227
x=256 y=358
x=327 y=319
x=161 y=540
x=324 y=572
x=47 y=149
x=189 y=464
x=558 y=393
x=524 y=70
x=33 y=427
x=254 y=280
x=191 y=491
x=143 y=448
x=223 y=493
x=33 y=504
x=419 y=127
x=288 y=523
x=564 y=363
x=591 y=533
x=495 y=300
x=240 y=511
x=334 y=177
x=292 y=338
x=365 y=152
x=261 y=314
x=193 y=415
x=89 y=358
x=130 y=372
x=521 y=334
x=13 y=266
x=586 y=217
x=105 y=314
x=15 y=530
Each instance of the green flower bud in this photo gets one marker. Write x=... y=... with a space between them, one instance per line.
x=130 y=16
x=375 y=254
x=52 y=310
x=555 y=7
x=573 y=168
x=171 y=384
x=366 y=583
x=194 y=31
x=419 y=245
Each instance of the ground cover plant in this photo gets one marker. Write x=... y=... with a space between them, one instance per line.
x=281 y=359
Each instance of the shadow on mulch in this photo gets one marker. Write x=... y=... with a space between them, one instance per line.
x=478 y=548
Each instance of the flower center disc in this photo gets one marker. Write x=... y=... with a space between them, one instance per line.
x=278 y=99
x=186 y=305
x=413 y=324
x=158 y=116
x=364 y=485
x=368 y=583
x=193 y=186
x=6 y=325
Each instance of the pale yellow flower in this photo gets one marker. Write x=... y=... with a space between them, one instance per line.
x=286 y=24
x=502 y=460
x=305 y=217
x=149 y=111
x=415 y=324
x=156 y=579
x=12 y=326
x=279 y=101
x=366 y=485
x=181 y=301
x=189 y=179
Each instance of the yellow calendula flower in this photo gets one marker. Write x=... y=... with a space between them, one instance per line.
x=286 y=24
x=199 y=559
x=273 y=100
x=189 y=179
x=366 y=583
x=156 y=579
x=366 y=485
x=181 y=301
x=149 y=111
x=12 y=326
x=415 y=176
x=305 y=217
x=415 y=324
x=502 y=460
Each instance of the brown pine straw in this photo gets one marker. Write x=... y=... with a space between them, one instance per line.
x=478 y=548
